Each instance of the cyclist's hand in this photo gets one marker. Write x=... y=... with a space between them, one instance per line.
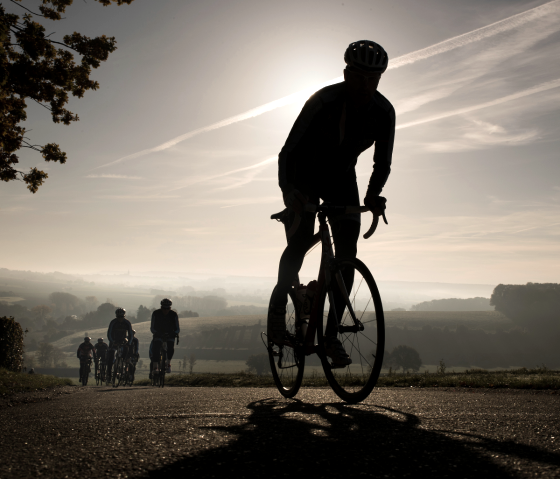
x=376 y=204
x=295 y=201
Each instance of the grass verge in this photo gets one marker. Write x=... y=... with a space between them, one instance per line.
x=539 y=378
x=12 y=383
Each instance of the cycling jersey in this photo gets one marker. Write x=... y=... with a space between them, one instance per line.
x=164 y=323
x=329 y=135
x=135 y=346
x=119 y=329
x=85 y=350
x=101 y=349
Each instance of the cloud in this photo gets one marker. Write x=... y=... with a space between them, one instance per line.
x=515 y=96
x=481 y=134
x=115 y=177
x=260 y=164
x=415 y=102
x=493 y=29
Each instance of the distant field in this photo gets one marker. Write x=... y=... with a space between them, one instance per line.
x=11 y=299
x=536 y=379
x=487 y=320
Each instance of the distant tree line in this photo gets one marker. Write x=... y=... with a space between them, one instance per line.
x=454 y=304
x=535 y=306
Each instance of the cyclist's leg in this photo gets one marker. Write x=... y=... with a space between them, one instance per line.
x=110 y=359
x=292 y=258
x=150 y=355
x=345 y=232
x=156 y=349
x=170 y=352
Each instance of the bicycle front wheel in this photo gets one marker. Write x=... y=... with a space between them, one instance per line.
x=364 y=342
x=287 y=361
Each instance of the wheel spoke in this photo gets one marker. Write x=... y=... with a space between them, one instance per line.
x=354 y=382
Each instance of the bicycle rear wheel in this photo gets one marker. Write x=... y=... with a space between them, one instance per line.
x=83 y=381
x=287 y=362
x=161 y=374
x=364 y=344
x=97 y=374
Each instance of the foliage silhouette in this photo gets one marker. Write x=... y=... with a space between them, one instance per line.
x=11 y=344
x=35 y=67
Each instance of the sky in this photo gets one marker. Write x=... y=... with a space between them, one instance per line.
x=173 y=164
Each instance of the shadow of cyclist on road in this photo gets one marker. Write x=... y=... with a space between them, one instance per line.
x=290 y=438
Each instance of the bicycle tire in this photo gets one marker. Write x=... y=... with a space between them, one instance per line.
x=97 y=374
x=287 y=363
x=82 y=378
x=118 y=373
x=355 y=382
x=162 y=374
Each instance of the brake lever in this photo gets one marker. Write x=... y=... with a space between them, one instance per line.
x=374 y=224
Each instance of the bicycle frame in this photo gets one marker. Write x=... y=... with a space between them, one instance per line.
x=325 y=277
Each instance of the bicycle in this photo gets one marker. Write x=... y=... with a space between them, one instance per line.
x=119 y=364
x=130 y=369
x=100 y=369
x=353 y=306
x=85 y=369
x=159 y=366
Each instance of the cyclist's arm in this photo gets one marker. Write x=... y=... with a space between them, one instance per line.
x=177 y=329
x=298 y=137
x=382 y=156
x=129 y=332
x=110 y=331
x=153 y=323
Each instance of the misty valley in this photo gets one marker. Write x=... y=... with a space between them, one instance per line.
x=221 y=326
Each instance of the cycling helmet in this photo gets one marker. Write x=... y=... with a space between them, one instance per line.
x=100 y=340
x=87 y=339
x=366 y=55
x=120 y=312
x=166 y=303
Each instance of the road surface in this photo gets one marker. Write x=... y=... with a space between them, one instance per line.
x=232 y=433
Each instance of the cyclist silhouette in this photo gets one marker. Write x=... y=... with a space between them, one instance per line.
x=119 y=330
x=318 y=161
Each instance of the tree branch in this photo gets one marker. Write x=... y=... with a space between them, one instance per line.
x=25 y=8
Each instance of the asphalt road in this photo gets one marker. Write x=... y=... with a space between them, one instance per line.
x=231 y=433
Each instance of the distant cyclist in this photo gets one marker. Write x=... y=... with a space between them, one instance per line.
x=134 y=353
x=119 y=330
x=101 y=349
x=164 y=321
x=318 y=161
x=86 y=350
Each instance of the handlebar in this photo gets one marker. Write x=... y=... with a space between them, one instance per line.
x=337 y=210
x=166 y=337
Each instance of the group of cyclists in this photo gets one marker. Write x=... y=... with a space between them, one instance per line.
x=318 y=161
x=164 y=326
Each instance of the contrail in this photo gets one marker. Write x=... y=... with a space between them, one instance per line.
x=227 y=173
x=442 y=47
x=529 y=91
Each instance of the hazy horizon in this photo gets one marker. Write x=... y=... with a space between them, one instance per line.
x=172 y=166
